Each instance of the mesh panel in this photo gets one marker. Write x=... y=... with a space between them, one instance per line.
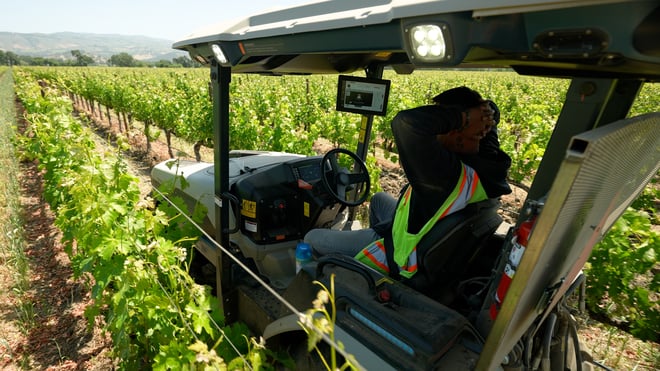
x=603 y=172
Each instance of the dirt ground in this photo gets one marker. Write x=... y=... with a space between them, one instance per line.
x=58 y=336
x=61 y=340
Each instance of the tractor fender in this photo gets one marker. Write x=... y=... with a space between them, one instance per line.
x=282 y=325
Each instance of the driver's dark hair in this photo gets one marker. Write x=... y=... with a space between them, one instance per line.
x=464 y=98
x=461 y=96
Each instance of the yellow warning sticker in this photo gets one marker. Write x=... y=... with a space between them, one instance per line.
x=306 y=209
x=249 y=208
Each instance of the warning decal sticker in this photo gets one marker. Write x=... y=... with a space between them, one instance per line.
x=249 y=209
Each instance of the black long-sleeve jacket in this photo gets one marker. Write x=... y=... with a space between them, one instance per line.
x=432 y=170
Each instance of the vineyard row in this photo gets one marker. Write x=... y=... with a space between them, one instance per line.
x=289 y=113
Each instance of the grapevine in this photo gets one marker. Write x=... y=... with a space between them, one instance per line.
x=290 y=113
x=137 y=267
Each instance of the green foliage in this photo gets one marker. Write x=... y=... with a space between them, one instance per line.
x=319 y=322
x=623 y=283
x=648 y=200
x=290 y=113
x=136 y=264
x=13 y=252
x=82 y=59
x=122 y=60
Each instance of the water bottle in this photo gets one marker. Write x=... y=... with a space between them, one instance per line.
x=303 y=255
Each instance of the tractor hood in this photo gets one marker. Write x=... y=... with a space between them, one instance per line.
x=199 y=175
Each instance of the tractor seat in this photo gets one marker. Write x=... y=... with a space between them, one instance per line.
x=446 y=251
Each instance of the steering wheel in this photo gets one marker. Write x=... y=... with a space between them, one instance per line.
x=343 y=183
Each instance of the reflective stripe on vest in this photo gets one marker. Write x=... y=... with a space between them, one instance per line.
x=468 y=190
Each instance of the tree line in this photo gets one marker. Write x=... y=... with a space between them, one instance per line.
x=79 y=58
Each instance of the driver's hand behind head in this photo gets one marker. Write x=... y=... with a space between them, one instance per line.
x=478 y=121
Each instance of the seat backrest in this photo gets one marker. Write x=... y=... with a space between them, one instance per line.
x=444 y=254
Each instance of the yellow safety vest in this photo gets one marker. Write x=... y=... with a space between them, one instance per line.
x=468 y=190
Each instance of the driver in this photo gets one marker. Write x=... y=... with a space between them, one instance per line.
x=451 y=156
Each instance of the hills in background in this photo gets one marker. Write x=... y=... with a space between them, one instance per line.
x=98 y=46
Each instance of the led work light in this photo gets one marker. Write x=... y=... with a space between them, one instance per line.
x=219 y=54
x=429 y=43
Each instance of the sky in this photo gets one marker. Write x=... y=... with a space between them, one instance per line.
x=164 y=19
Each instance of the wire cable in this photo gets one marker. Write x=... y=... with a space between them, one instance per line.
x=301 y=316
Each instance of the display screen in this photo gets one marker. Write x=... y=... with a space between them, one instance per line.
x=309 y=173
x=362 y=95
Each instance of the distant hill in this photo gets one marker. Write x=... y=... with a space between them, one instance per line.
x=98 y=46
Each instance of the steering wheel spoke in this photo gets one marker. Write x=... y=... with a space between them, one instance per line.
x=358 y=178
x=341 y=191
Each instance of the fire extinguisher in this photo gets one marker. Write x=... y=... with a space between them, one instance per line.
x=519 y=243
